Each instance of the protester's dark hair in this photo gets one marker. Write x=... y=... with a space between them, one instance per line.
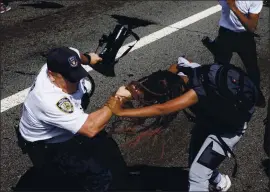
x=159 y=87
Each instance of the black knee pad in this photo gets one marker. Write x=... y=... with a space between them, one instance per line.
x=210 y=158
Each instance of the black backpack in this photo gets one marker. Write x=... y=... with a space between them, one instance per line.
x=229 y=92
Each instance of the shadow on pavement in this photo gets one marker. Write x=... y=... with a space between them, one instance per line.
x=266 y=142
x=142 y=178
x=266 y=166
x=159 y=178
x=43 y=5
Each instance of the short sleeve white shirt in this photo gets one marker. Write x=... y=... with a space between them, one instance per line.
x=230 y=21
x=43 y=117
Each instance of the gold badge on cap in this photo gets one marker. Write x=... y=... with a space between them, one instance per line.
x=65 y=105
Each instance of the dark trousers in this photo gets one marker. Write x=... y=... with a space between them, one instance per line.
x=266 y=142
x=96 y=163
x=244 y=45
x=5 y=2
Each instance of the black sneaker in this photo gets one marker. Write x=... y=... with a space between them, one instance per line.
x=209 y=44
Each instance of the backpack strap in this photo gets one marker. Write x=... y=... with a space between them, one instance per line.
x=226 y=148
x=203 y=74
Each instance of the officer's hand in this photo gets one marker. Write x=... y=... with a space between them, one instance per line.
x=123 y=92
x=115 y=104
x=95 y=58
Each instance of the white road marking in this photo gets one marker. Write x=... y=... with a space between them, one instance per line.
x=18 y=98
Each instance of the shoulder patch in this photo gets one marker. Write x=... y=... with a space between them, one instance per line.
x=65 y=105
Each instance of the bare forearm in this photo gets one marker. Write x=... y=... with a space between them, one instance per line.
x=162 y=109
x=99 y=118
x=150 y=111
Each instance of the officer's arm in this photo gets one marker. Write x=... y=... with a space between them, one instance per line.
x=96 y=122
x=250 y=22
x=184 y=101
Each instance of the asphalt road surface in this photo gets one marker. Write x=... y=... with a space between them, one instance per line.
x=29 y=30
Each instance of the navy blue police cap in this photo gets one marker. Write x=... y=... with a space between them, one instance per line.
x=66 y=62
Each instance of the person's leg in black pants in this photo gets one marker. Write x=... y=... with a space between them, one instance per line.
x=102 y=157
x=5 y=2
x=247 y=52
x=223 y=45
x=244 y=44
x=96 y=162
x=107 y=152
x=77 y=158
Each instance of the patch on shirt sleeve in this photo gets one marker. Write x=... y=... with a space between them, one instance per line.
x=65 y=105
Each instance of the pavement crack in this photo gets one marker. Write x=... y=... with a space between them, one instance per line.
x=19 y=72
x=25 y=73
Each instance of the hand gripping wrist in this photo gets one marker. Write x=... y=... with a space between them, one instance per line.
x=88 y=57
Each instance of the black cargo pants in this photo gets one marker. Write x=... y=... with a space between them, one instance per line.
x=96 y=163
x=243 y=43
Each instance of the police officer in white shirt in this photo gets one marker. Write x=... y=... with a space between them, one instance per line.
x=238 y=23
x=56 y=129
